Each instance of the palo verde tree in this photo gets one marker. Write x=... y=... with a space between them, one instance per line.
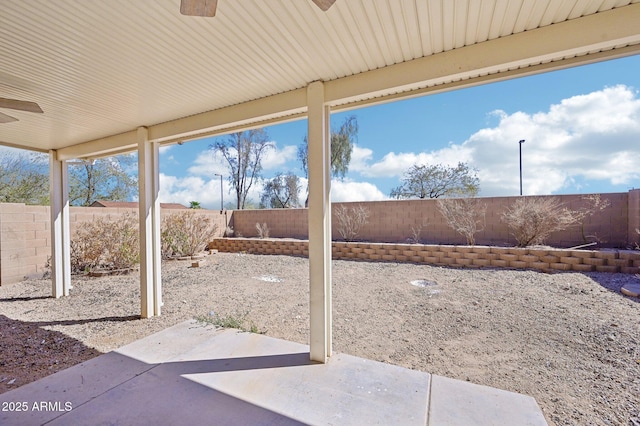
x=102 y=179
x=281 y=192
x=244 y=152
x=342 y=141
x=435 y=181
x=24 y=178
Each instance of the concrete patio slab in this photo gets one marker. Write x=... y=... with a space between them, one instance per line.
x=189 y=374
x=454 y=402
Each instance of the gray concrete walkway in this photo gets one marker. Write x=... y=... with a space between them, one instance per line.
x=189 y=374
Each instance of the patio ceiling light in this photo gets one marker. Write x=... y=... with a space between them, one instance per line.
x=207 y=8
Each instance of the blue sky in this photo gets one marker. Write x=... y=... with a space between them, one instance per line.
x=581 y=126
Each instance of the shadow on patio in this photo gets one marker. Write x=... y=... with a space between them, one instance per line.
x=189 y=374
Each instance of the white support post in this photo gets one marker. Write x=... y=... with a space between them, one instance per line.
x=60 y=239
x=319 y=223
x=149 y=219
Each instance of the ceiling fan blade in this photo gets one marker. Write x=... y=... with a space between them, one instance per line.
x=324 y=4
x=20 y=105
x=206 y=8
x=4 y=118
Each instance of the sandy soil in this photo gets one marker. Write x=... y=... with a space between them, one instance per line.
x=570 y=340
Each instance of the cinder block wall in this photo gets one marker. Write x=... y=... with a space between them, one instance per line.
x=633 y=228
x=24 y=241
x=392 y=221
x=25 y=234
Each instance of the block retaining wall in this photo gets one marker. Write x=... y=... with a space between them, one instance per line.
x=542 y=259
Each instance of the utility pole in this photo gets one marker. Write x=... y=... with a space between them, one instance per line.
x=520 y=145
x=222 y=195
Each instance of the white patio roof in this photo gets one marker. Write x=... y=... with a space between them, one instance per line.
x=101 y=69
x=120 y=75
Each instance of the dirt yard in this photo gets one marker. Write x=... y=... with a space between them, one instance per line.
x=570 y=340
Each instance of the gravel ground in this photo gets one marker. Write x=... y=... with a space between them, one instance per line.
x=570 y=340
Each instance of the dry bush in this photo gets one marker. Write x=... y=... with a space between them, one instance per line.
x=186 y=233
x=124 y=247
x=464 y=215
x=594 y=204
x=415 y=234
x=263 y=230
x=533 y=219
x=85 y=251
x=351 y=220
x=106 y=243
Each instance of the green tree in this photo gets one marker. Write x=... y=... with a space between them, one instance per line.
x=435 y=181
x=102 y=179
x=342 y=141
x=281 y=192
x=24 y=178
x=194 y=205
x=243 y=152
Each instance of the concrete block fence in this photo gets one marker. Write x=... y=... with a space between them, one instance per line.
x=25 y=236
x=393 y=221
x=542 y=259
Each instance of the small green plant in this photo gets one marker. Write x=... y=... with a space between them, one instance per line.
x=186 y=233
x=235 y=321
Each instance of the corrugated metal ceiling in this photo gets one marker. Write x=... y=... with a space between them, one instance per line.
x=99 y=68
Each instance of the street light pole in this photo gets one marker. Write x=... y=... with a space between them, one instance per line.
x=222 y=195
x=520 y=145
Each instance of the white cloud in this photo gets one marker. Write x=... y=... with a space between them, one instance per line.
x=274 y=159
x=206 y=191
x=360 y=158
x=192 y=188
x=355 y=191
x=208 y=163
x=394 y=165
x=593 y=137
x=588 y=137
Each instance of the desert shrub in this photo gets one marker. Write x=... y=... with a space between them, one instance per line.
x=464 y=215
x=414 y=237
x=106 y=243
x=263 y=230
x=123 y=249
x=532 y=219
x=351 y=220
x=594 y=204
x=185 y=233
x=85 y=251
